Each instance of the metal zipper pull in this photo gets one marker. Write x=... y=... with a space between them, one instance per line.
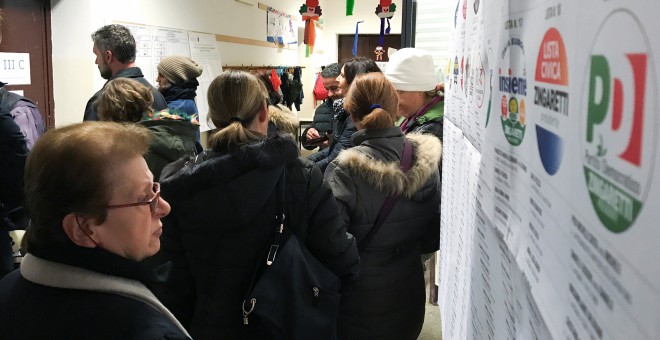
x=316 y=295
x=253 y=302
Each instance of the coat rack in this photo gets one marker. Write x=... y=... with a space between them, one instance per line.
x=258 y=67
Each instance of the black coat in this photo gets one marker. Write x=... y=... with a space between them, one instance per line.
x=222 y=219
x=343 y=129
x=134 y=73
x=322 y=122
x=13 y=155
x=388 y=301
x=81 y=293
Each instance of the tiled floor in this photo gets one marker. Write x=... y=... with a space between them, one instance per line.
x=432 y=328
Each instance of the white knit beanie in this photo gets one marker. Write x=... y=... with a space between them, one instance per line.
x=412 y=70
x=178 y=69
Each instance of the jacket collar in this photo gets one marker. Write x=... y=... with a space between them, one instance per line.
x=387 y=176
x=129 y=72
x=187 y=177
x=436 y=112
x=59 y=275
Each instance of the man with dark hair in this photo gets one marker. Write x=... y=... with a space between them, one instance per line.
x=114 y=47
x=342 y=124
x=322 y=123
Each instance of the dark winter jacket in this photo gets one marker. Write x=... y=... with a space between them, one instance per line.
x=133 y=73
x=13 y=155
x=181 y=96
x=25 y=114
x=174 y=137
x=322 y=122
x=343 y=129
x=71 y=292
x=388 y=301
x=214 y=250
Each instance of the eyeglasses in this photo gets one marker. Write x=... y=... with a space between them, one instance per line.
x=153 y=203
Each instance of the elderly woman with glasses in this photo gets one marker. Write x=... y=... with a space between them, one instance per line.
x=95 y=213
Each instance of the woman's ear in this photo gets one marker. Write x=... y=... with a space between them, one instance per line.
x=263 y=114
x=77 y=229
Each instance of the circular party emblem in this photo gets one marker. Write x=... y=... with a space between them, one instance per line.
x=619 y=128
x=551 y=100
x=513 y=89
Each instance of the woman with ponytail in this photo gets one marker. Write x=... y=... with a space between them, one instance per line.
x=388 y=301
x=211 y=253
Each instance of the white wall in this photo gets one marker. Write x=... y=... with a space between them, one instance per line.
x=76 y=78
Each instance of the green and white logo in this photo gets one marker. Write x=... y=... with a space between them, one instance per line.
x=513 y=89
x=619 y=139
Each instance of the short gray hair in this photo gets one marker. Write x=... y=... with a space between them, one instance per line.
x=117 y=39
x=331 y=71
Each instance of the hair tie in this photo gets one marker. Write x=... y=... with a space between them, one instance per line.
x=235 y=119
x=375 y=106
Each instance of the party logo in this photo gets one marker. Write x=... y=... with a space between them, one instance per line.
x=551 y=99
x=513 y=89
x=620 y=125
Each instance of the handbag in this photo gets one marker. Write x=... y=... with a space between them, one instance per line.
x=390 y=201
x=296 y=295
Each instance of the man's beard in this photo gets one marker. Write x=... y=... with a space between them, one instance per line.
x=105 y=71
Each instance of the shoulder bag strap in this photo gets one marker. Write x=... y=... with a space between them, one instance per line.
x=277 y=241
x=390 y=201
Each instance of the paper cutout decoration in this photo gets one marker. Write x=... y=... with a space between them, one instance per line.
x=311 y=11
x=379 y=53
x=349 y=7
x=355 y=39
x=385 y=10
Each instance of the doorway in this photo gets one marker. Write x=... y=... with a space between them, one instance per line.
x=367 y=44
x=26 y=29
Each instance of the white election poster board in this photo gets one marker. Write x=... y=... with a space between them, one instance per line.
x=204 y=50
x=154 y=42
x=557 y=103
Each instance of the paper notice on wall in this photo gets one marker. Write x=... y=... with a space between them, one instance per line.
x=204 y=50
x=561 y=100
x=153 y=43
x=15 y=68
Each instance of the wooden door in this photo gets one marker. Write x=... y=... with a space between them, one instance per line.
x=366 y=45
x=26 y=29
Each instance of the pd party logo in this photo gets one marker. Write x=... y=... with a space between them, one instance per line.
x=619 y=142
x=513 y=89
x=551 y=99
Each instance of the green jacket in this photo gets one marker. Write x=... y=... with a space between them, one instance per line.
x=430 y=122
x=174 y=137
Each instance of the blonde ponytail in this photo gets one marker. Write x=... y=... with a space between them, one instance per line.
x=235 y=98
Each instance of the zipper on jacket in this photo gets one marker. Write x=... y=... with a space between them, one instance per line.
x=316 y=295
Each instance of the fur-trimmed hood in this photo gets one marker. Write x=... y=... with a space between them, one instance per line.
x=285 y=121
x=387 y=176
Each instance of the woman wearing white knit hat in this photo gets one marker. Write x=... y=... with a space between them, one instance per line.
x=412 y=73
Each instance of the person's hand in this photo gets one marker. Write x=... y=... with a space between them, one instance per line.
x=312 y=133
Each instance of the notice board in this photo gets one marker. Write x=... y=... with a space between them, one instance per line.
x=549 y=223
x=155 y=42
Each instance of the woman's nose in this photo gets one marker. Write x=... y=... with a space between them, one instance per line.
x=163 y=208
